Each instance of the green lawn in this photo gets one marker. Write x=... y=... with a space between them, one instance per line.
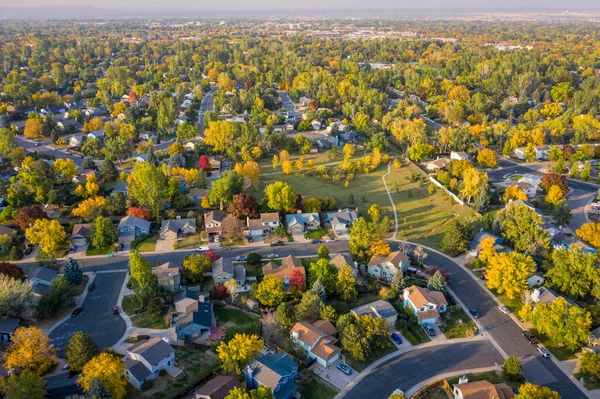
x=188 y=242
x=146 y=320
x=236 y=321
x=435 y=393
x=514 y=305
x=344 y=306
x=491 y=376
x=91 y=251
x=516 y=177
x=316 y=234
x=316 y=388
x=146 y=244
x=590 y=382
x=128 y=305
x=457 y=324
x=378 y=353
x=559 y=352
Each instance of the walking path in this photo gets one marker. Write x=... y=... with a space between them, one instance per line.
x=391 y=201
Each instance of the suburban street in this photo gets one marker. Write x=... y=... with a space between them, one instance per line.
x=407 y=370
x=96 y=318
x=207 y=104
x=43 y=147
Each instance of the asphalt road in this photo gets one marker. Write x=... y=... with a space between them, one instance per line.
x=97 y=318
x=502 y=328
x=43 y=147
x=407 y=370
x=207 y=104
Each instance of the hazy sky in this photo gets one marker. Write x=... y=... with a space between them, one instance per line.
x=340 y=5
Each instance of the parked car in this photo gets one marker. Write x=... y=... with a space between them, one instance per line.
x=543 y=352
x=397 y=339
x=76 y=312
x=115 y=310
x=504 y=309
x=28 y=250
x=429 y=330
x=269 y=256
x=241 y=258
x=277 y=244
x=506 y=176
x=72 y=248
x=202 y=249
x=529 y=337
x=475 y=313
x=91 y=287
x=330 y=240
x=316 y=241
x=344 y=368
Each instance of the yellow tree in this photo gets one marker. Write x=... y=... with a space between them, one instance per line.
x=514 y=192
x=379 y=248
x=474 y=182
x=590 y=232
x=487 y=250
x=30 y=350
x=109 y=369
x=48 y=234
x=33 y=128
x=238 y=351
x=284 y=156
x=555 y=196
x=287 y=167
x=459 y=93
x=175 y=149
x=219 y=135
x=89 y=208
x=90 y=188
x=251 y=170
x=275 y=162
x=487 y=158
x=93 y=125
x=507 y=273
x=64 y=169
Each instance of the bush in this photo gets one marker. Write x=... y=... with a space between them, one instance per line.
x=162 y=372
x=253 y=259
x=147 y=385
x=512 y=369
x=475 y=264
x=143 y=337
x=154 y=308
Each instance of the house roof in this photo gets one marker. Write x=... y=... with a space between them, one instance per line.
x=121 y=187
x=482 y=235
x=137 y=369
x=270 y=217
x=217 y=216
x=325 y=326
x=439 y=163
x=153 y=350
x=223 y=265
x=429 y=314
x=325 y=350
x=176 y=225
x=6 y=230
x=375 y=309
x=132 y=221
x=169 y=268
x=41 y=289
x=341 y=260
x=45 y=274
x=302 y=219
x=217 y=388
x=308 y=333
x=343 y=216
x=288 y=265
x=9 y=325
x=485 y=390
x=255 y=224
x=395 y=258
x=81 y=230
x=269 y=369
x=198 y=192
x=420 y=296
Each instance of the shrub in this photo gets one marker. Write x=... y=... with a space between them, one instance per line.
x=253 y=258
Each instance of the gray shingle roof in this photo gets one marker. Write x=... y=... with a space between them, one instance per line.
x=137 y=369
x=9 y=325
x=175 y=225
x=218 y=387
x=377 y=308
x=153 y=350
x=222 y=265
x=132 y=221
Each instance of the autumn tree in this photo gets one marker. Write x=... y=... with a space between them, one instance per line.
x=26 y=216
x=270 y=291
x=297 y=281
x=50 y=235
x=30 y=350
x=194 y=267
x=219 y=135
x=309 y=306
x=590 y=233
x=554 y=196
x=487 y=158
x=81 y=349
x=514 y=192
x=346 y=283
x=507 y=273
x=379 y=248
x=90 y=188
x=474 y=182
x=238 y=351
x=139 y=212
x=33 y=128
x=64 y=170
x=531 y=391
x=13 y=271
x=243 y=206
x=90 y=208
x=573 y=271
x=233 y=228
x=110 y=370
x=280 y=196
x=204 y=163
x=27 y=384
x=551 y=179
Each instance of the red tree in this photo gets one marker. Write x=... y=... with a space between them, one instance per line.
x=12 y=271
x=314 y=104
x=219 y=292
x=551 y=179
x=29 y=214
x=213 y=256
x=204 y=163
x=138 y=212
x=297 y=281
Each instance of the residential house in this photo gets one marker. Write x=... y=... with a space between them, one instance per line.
x=213 y=224
x=284 y=271
x=547 y=295
x=425 y=304
x=79 y=236
x=169 y=276
x=172 y=229
x=541 y=152
x=8 y=328
x=533 y=180
x=481 y=390
x=121 y=187
x=378 y=308
x=185 y=300
x=256 y=227
x=196 y=194
x=145 y=359
x=341 y=260
x=530 y=190
x=525 y=203
x=300 y=223
x=594 y=338
x=317 y=341
x=475 y=245
x=73 y=124
x=140 y=157
x=437 y=164
x=73 y=105
x=98 y=134
x=459 y=156
x=223 y=270
x=216 y=163
x=566 y=241
x=217 y=388
x=519 y=153
x=131 y=228
x=316 y=125
x=265 y=225
x=387 y=266
x=5 y=230
x=41 y=280
x=198 y=318
x=252 y=304
x=535 y=280
x=341 y=220
x=276 y=371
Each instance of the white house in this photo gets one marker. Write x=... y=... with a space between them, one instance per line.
x=316 y=125
x=387 y=266
x=75 y=140
x=223 y=270
x=533 y=180
x=519 y=153
x=425 y=304
x=459 y=156
x=264 y=225
x=439 y=163
x=300 y=223
x=530 y=190
x=145 y=359
x=317 y=341
x=535 y=280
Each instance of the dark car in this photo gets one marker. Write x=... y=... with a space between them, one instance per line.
x=397 y=339
x=76 y=312
x=530 y=337
x=91 y=287
x=316 y=241
x=277 y=244
x=475 y=313
x=115 y=310
x=28 y=250
x=429 y=330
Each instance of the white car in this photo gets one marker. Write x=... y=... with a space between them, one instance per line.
x=543 y=352
x=506 y=176
x=330 y=240
x=202 y=249
x=504 y=309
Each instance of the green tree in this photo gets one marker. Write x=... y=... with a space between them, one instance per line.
x=457 y=237
x=573 y=271
x=346 y=283
x=420 y=151
x=27 y=384
x=309 y=306
x=436 y=282
x=238 y=351
x=223 y=189
x=61 y=295
x=522 y=227
x=590 y=364
x=142 y=280
x=512 y=369
x=187 y=131
x=362 y=233
x=280 y=196
x=97 y=389
x=325 y=272
x=73 y=271
x=167 y=112
x=148 y=185
x=103 y=232
x=355 y=343
x=81 y=349
x=323 y=252
x=16 y=297
x=397 y=283
x=270 y=291
x=286 y=315
x=328 y=313
x=531 y=391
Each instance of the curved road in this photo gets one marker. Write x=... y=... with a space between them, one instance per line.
x=408 y=369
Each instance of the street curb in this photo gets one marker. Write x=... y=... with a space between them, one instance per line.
x=122 y=314
x=413 y=390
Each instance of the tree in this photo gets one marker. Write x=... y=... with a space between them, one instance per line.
x=362 y=234
x=531 y=391
x=16 y=297
x=13 y=271
x=590 y=364
x=90 y=188
x=550 y=179
x=586 y=171
x=319 y=289
x=142 y=280
x=33 y=128
x=514 y=192
x=379 y=248
x=573 y=271
x=97 y=389
x=474 y=182
x=487 y=158
x=225 y=188
x=437 y=282
x=219 y=135
x=64 y=170
x=354 y=341
x=328 y=313
x=61 y=295
x=48 y=234
x=522 y=227
x=243 y=206
x=280 y=196
x=103 y=232
x=286 y=315
x=167 y=112
x=297 y=281
x=555 y=196
x=507 y=273
x=590 y=233
x=148 y=185
x=309 y=306
x=238 y=351
x=142 y=213
x=194 y=267
x=457 y=237
x=346 y=283
x=270 y=291
x=26 y=216
x=562 y=214
x=109 y=171
x=110 y=370
x=81 y=349
x=325 y=272
x=233 y=228
x=512 y=369
x=27 y=384
x=238 y=393
x=204 y=163
x=420 y=151
x=397 y=283
x=90 y=208
x=187 y=131
x=73 y=272
x=397 y=395
x=323 y=252
x=30 y=350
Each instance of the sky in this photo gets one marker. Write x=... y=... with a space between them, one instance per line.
x=307 y=5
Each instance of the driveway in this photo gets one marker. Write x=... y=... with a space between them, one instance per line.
x=97 y=318
x=334 y=376
x=165 y=245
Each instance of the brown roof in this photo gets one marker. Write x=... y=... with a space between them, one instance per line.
x=214 y=215
x=255 y=224
x=394 y=258
x=420 y=296
x=430 y=314
x=485 y=390
x=325 y=350
x=288 y=265
x=217 y=388
x=307 y=333
x=341 y=260
x=269 y=217
x=325 y=326
x=317 y=337
x=165 y=269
